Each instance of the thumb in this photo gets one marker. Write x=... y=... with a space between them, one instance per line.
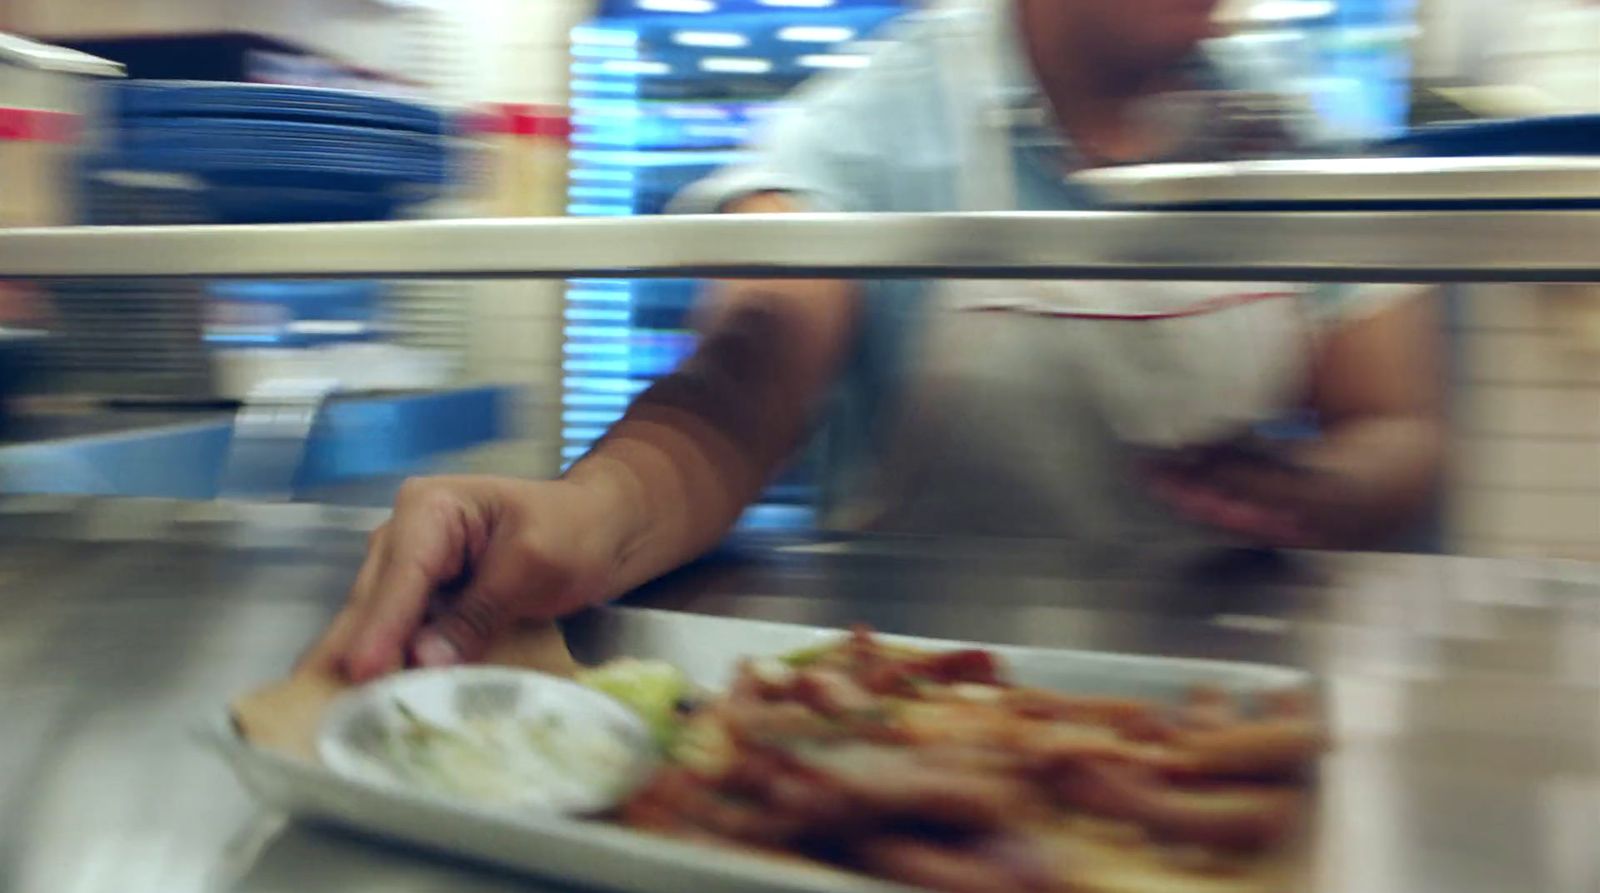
x=510 y=578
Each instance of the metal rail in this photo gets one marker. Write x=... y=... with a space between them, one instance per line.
x=1394 y=246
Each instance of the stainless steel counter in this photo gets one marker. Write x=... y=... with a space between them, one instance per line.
x=1466 y=693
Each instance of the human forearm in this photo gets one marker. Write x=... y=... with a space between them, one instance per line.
x=1379 y=475
x=659 y=488
x=1361 y=483
x=1358 y=485
x=1365 y=480
x=1380 y=396
x=1373 y=471
x=698 y=446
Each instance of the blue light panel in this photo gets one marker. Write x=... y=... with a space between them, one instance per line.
x=664 y=93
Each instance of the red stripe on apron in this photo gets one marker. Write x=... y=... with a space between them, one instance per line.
x=1201 y=308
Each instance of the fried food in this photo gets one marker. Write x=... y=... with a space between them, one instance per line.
x=936 y=770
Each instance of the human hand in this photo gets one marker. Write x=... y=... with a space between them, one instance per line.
x=462 y=559
x=1268 y=498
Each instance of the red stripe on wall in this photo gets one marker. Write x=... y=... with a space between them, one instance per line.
x=38 y=126
x=535 y=121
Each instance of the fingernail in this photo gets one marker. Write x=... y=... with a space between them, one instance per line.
x=434 y=650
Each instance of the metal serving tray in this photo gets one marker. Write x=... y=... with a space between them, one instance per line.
x=706 y=648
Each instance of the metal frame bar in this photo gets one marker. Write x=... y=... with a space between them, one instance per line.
x=1393 y=246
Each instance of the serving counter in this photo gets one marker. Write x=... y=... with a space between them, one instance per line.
x=1465 y=694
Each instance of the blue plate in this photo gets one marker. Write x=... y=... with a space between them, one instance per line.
x=199 y=99
x=320 y=153
x=283 y=171
x=1557 y=135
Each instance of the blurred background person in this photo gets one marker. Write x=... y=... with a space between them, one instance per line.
x=1099 y=411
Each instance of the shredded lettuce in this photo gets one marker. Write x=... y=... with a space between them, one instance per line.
x=651 y=688
x=802 y=657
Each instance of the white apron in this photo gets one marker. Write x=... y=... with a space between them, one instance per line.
x=1029 y=402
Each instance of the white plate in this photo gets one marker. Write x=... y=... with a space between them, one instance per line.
x=1352 y=181
x=512 y=739
x=598 y=854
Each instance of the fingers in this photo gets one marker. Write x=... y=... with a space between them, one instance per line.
x=514 y=577
x=425 y=546
x=1250 y=503
x=1267 y=484
x=327 y=654
x=473 y=537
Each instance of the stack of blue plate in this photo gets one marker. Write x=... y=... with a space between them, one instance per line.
x=1553 y=135
x=267 y=154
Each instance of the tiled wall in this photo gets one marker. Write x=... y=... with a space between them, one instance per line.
x=1526 y=477
x=1527 y=380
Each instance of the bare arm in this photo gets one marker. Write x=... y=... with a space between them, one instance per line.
x=1377 y=389
x=698 y=446
x=1379 y=392
x=463 y=559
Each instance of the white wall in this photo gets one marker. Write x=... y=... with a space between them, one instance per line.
x=361 y=32
x=113 y=17
x=1553 y=45
x=505 y=50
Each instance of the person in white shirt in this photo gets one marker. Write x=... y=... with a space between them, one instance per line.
x=1044 y=409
